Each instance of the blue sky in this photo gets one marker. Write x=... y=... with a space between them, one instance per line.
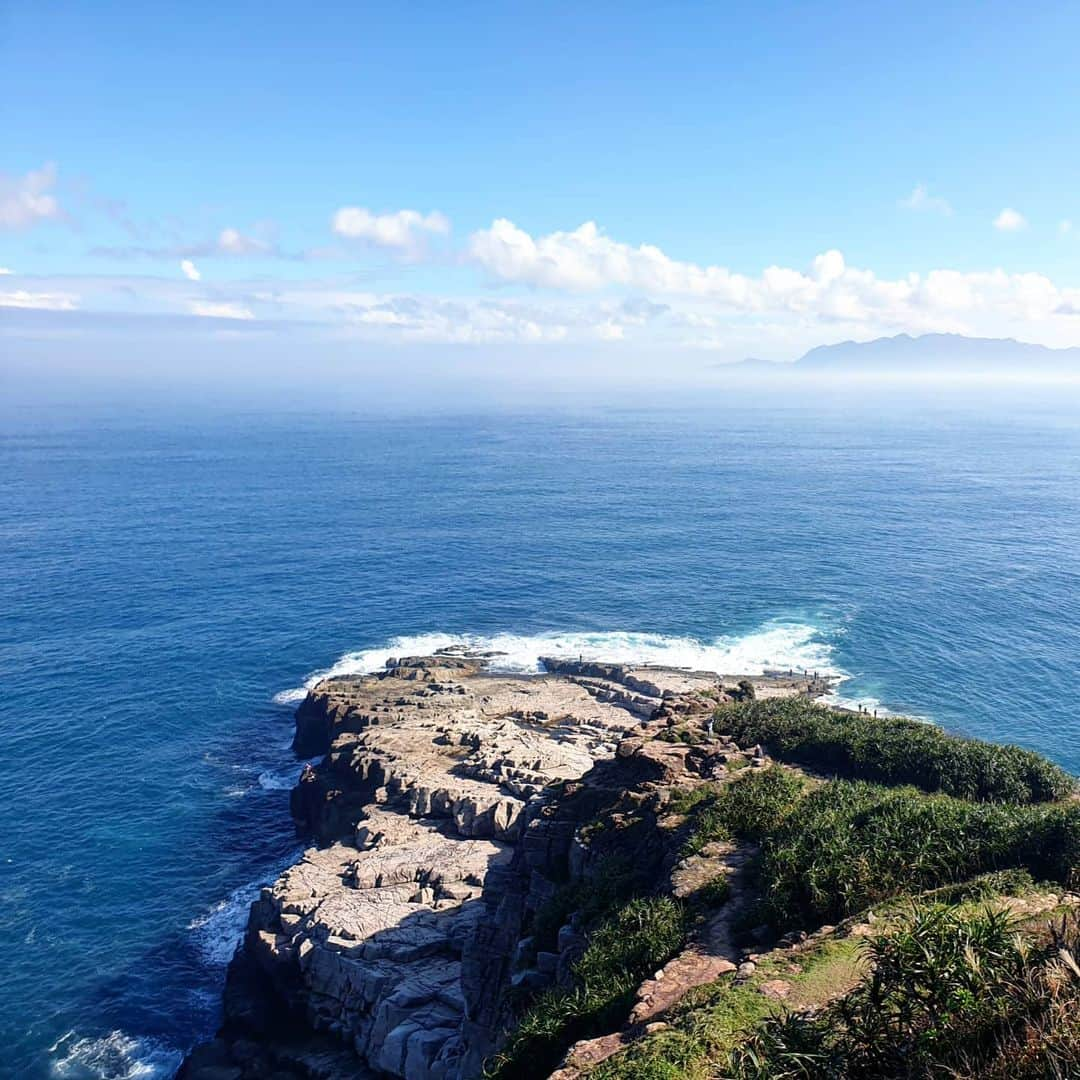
x=752 y=179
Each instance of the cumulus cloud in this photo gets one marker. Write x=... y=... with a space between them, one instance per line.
x=921 y=199
x=4 y=271
x=587 y=287
x=403 y=231
x=828 y=291
x=27 y=200
x=42 y=301
x=218 y=310
x=190 y=270
x=1010 y=220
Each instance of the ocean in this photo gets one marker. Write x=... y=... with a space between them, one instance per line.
x=170 y=580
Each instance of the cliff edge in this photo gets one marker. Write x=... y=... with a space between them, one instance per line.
x=448 y=811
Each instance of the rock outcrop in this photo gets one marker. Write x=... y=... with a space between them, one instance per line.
x=450 y=805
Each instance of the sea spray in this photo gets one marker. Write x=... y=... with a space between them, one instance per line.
x=776 y=645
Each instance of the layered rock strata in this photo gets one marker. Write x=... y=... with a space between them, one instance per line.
x=448 y=807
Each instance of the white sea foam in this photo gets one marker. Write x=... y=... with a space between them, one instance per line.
x=775 y=645
x=868 y=704
x=280 y=779
x=116 y=1056
x=218 y=930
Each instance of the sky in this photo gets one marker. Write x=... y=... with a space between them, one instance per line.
x=630 y=187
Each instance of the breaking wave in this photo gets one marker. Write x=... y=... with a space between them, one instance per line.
x=116 y=1056
x=777 y=645
x=218 y=931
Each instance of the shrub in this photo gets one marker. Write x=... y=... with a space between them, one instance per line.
x=612 y=883
x=750 y=807
x=853 y=844
x=713 y=894
x=744 y=691
x=894 y=750
x=951 y=992
x=624 y=950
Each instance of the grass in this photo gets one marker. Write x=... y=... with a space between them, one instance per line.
x=625 y=948
x=684 y=799
x=748 y=808
x=957 y=991
x=613 y=882
x=712 y=1020
x=949 y=992
x=949 y=989
x=850 y=845
x=894 y=750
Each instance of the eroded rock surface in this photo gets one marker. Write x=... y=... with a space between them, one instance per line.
x=448 y=807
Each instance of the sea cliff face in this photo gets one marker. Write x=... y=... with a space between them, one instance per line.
x=449 y=808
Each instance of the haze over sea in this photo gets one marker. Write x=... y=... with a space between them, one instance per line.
x=168 y=578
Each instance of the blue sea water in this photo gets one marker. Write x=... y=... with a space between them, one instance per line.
x=167 y=580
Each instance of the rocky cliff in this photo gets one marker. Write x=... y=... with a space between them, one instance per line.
x=451 y=806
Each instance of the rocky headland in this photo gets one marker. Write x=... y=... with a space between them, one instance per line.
x=452 y=811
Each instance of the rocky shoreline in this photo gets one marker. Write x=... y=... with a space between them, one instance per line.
x=449 y=807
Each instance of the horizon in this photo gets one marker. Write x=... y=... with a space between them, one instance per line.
x=428 y=199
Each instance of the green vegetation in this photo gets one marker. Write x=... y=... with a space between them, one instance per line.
x=749 y=808
x=918 y=827
x=744 y=691
x=950 y=993
x=683 y=734
x=851 y=845
x=846 y=845
x=894 y=751
x=612 y=883
x=683 y=800
x=713 y=894
x=625 y=949
x=712 y=1020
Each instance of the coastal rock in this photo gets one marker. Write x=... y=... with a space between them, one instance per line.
x=448 y=807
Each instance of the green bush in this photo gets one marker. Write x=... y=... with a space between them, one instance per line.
x=851 y=845
x=612 y=883
x=894 y=750
x=951 y=993
x=750 y=807
x=623 y=951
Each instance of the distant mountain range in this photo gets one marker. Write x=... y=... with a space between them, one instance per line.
x=933 y=352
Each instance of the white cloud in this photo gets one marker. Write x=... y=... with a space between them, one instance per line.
x=828 y=292
x=921 y=199
x=4 y=271
x=590 y=287
x=1065 y=227
x=1010 y=220
x=26 y=200
x=402 y=230
x=42 y=301
x=260 y=242
x=211 y=310
x=190 y=270
x=233 y=242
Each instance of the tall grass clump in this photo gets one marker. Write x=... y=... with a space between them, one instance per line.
x=749 y=808
x=950 y=992
x=622 y=952
x=894 y=750
x=612 y=883
x=850 y=845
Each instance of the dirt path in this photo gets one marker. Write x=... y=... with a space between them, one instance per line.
x=710 y=954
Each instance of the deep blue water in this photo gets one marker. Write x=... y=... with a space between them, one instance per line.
x=161 y=579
